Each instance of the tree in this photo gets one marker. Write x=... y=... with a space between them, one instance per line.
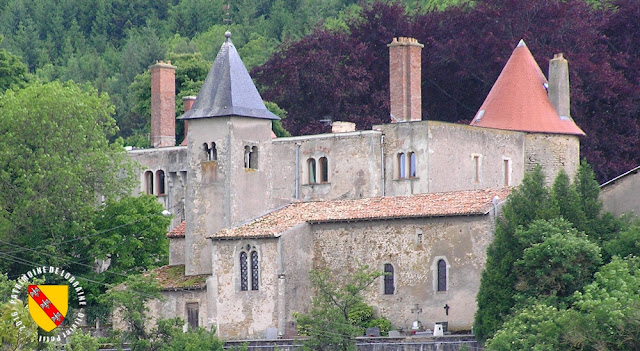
x=13 y=73
x=604 y=316
x=130 y=301
x=496 y=295
x=328 y=323
x=559 y=265
x=55 y=162
x=12 y=337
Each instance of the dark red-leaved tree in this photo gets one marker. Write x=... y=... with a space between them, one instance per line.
x=344 y=76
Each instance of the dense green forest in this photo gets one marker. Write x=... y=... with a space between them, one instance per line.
x=305 y=53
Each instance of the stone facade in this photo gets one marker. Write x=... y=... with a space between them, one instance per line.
x=233 y=176
x=620 y=195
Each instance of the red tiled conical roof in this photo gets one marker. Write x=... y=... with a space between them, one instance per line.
x=518 y=100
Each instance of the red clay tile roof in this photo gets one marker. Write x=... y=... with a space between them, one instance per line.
x=518 y=100
x=173 y=278
x=459 y=203
x=178 y=231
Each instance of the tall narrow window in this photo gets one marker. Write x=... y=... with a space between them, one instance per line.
x=506 y=172
x=244 y=272
x=255 y=279
x=311 y=165
x=193 y=312
x=160 y=179
x=253 y=158
x=412 y=165
x=207 y=152
x=148 y=182
x=213 y=153
x=324 y=170
x=442 y=275
x=247 y=153
x=389 y=287
x=402 y=165
x=476 y=168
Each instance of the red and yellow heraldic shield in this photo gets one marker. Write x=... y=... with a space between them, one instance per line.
x=48 y=305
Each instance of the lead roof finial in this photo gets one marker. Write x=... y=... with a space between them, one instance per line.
x=227 y=35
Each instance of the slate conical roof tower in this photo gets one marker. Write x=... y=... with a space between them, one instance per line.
x=228 y=89
x=519 y=101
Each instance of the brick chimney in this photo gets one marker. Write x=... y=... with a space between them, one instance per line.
x=405 y=79
x=559 y=93
x=188 y=104
x=163 y=100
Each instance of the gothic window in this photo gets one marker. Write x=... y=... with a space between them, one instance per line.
x=213 y=152
x=311 y=165
x=254 y=270
x=247 y=153
x=207 y=152
x=253 y=158
x=324 y=169
x=412 y=165
x=193 y=312
x=402 y=165
x=442 y=275
x=148 y=182
x=389 y=287
x=160 y=182
x=244 y=273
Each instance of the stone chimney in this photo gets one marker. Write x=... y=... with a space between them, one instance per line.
x=163 y=104
x=405 y=79
x=559 y=93
x=188 y=103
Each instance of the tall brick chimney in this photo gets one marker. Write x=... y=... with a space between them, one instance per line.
x=163 y=104
x=405 y=79
x=188 y=104
x=559 y=92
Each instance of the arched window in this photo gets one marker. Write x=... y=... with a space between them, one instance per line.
x=402 y=165
x=311 y=165
x=247 y=151
x=253 y=158
x=148 y=182
x=389 y=287
x=412 y=165
x=324 y=169
x=254 y=270
x=207 y=152
x=160 y=182
x=442 y=275
x=244 y=272
x=213 y=152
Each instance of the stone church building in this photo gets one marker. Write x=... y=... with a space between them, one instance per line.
x=253 y=214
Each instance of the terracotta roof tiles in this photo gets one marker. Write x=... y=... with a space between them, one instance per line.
x=459 y=203
x=518 y=100
x=178 y=231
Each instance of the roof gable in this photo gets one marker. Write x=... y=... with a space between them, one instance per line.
x=519 y=101
x=228 y=89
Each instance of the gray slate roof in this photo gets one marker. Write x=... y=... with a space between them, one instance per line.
x=228 y=89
